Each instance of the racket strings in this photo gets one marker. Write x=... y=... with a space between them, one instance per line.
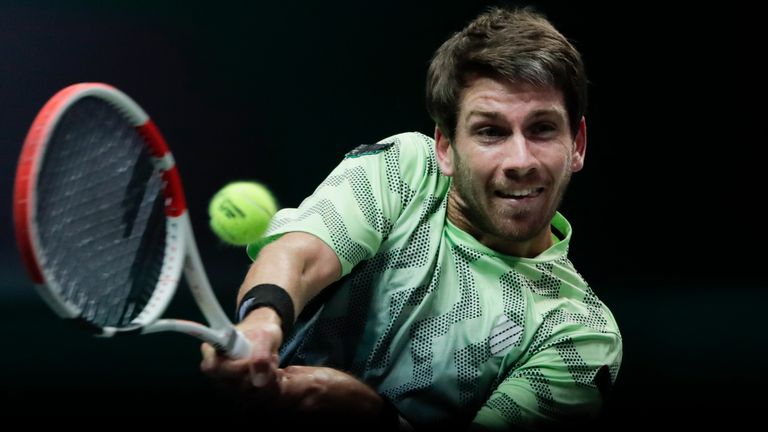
x=100 y=207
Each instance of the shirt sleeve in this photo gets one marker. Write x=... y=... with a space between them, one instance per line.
x=565 y=383
x=356 y=206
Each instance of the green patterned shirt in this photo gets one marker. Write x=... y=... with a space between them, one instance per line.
x=450 y=331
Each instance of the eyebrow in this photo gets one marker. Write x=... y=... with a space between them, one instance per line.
x=546 y=112
x=493 y=115
x=484 y=114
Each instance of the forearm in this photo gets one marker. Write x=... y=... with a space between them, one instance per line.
x=300 y=263
x=321 y=394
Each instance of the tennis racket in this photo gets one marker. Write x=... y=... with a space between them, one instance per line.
x=101 y=220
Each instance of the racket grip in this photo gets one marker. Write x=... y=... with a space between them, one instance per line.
x=238 y=346
x=228 y=341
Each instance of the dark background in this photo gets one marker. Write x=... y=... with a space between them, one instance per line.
x=665 y=211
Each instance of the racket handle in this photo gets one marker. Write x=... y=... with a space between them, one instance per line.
x=230 y=341
x=239 y=346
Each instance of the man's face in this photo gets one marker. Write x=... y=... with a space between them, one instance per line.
x=511 y=161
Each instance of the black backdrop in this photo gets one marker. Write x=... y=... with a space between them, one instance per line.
x=665 y=211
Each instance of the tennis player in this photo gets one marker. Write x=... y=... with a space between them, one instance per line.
x=426 y=282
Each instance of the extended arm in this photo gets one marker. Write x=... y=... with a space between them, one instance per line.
x=302 y=265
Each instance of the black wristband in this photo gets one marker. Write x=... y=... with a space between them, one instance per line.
x=271 y=296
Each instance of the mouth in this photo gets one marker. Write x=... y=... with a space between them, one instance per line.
x=520 y=194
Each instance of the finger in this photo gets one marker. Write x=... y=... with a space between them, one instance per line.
x=218 y=365
x=209 y=357
x=263 y=361
x=263 y=369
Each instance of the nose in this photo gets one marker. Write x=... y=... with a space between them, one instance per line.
x=517 y=158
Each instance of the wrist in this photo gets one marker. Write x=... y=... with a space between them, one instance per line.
x=268 y=296
x=262 y=314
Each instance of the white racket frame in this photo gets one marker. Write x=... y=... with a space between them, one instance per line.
x=181 y=252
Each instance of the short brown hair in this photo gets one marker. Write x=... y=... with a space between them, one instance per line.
x=517 y=45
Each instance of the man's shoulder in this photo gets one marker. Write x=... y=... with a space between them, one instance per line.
x=409 y=138
x=407 y=141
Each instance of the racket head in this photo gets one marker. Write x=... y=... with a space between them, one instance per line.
x=99 y=211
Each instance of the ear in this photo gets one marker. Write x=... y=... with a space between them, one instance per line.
x=579 y=147
x=444 y=152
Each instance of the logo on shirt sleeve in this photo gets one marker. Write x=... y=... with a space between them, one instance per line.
x=368 y=149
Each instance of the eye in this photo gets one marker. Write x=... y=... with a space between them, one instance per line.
x=489 y=132
x=543 y=130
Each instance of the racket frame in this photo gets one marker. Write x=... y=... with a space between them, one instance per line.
x=181 y=252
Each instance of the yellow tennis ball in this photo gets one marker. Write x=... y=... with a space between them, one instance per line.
x=240 y=212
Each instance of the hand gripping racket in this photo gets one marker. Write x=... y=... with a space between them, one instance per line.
x=101 y=220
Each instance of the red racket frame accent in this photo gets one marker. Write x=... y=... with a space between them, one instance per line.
x=175 y=204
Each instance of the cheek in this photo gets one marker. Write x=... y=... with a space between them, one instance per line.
x=483 y=166
x=470 y=171
x=559 y=165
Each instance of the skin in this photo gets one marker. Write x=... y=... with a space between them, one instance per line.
x=303 y=265
x=511 y=160
x=510 y=139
